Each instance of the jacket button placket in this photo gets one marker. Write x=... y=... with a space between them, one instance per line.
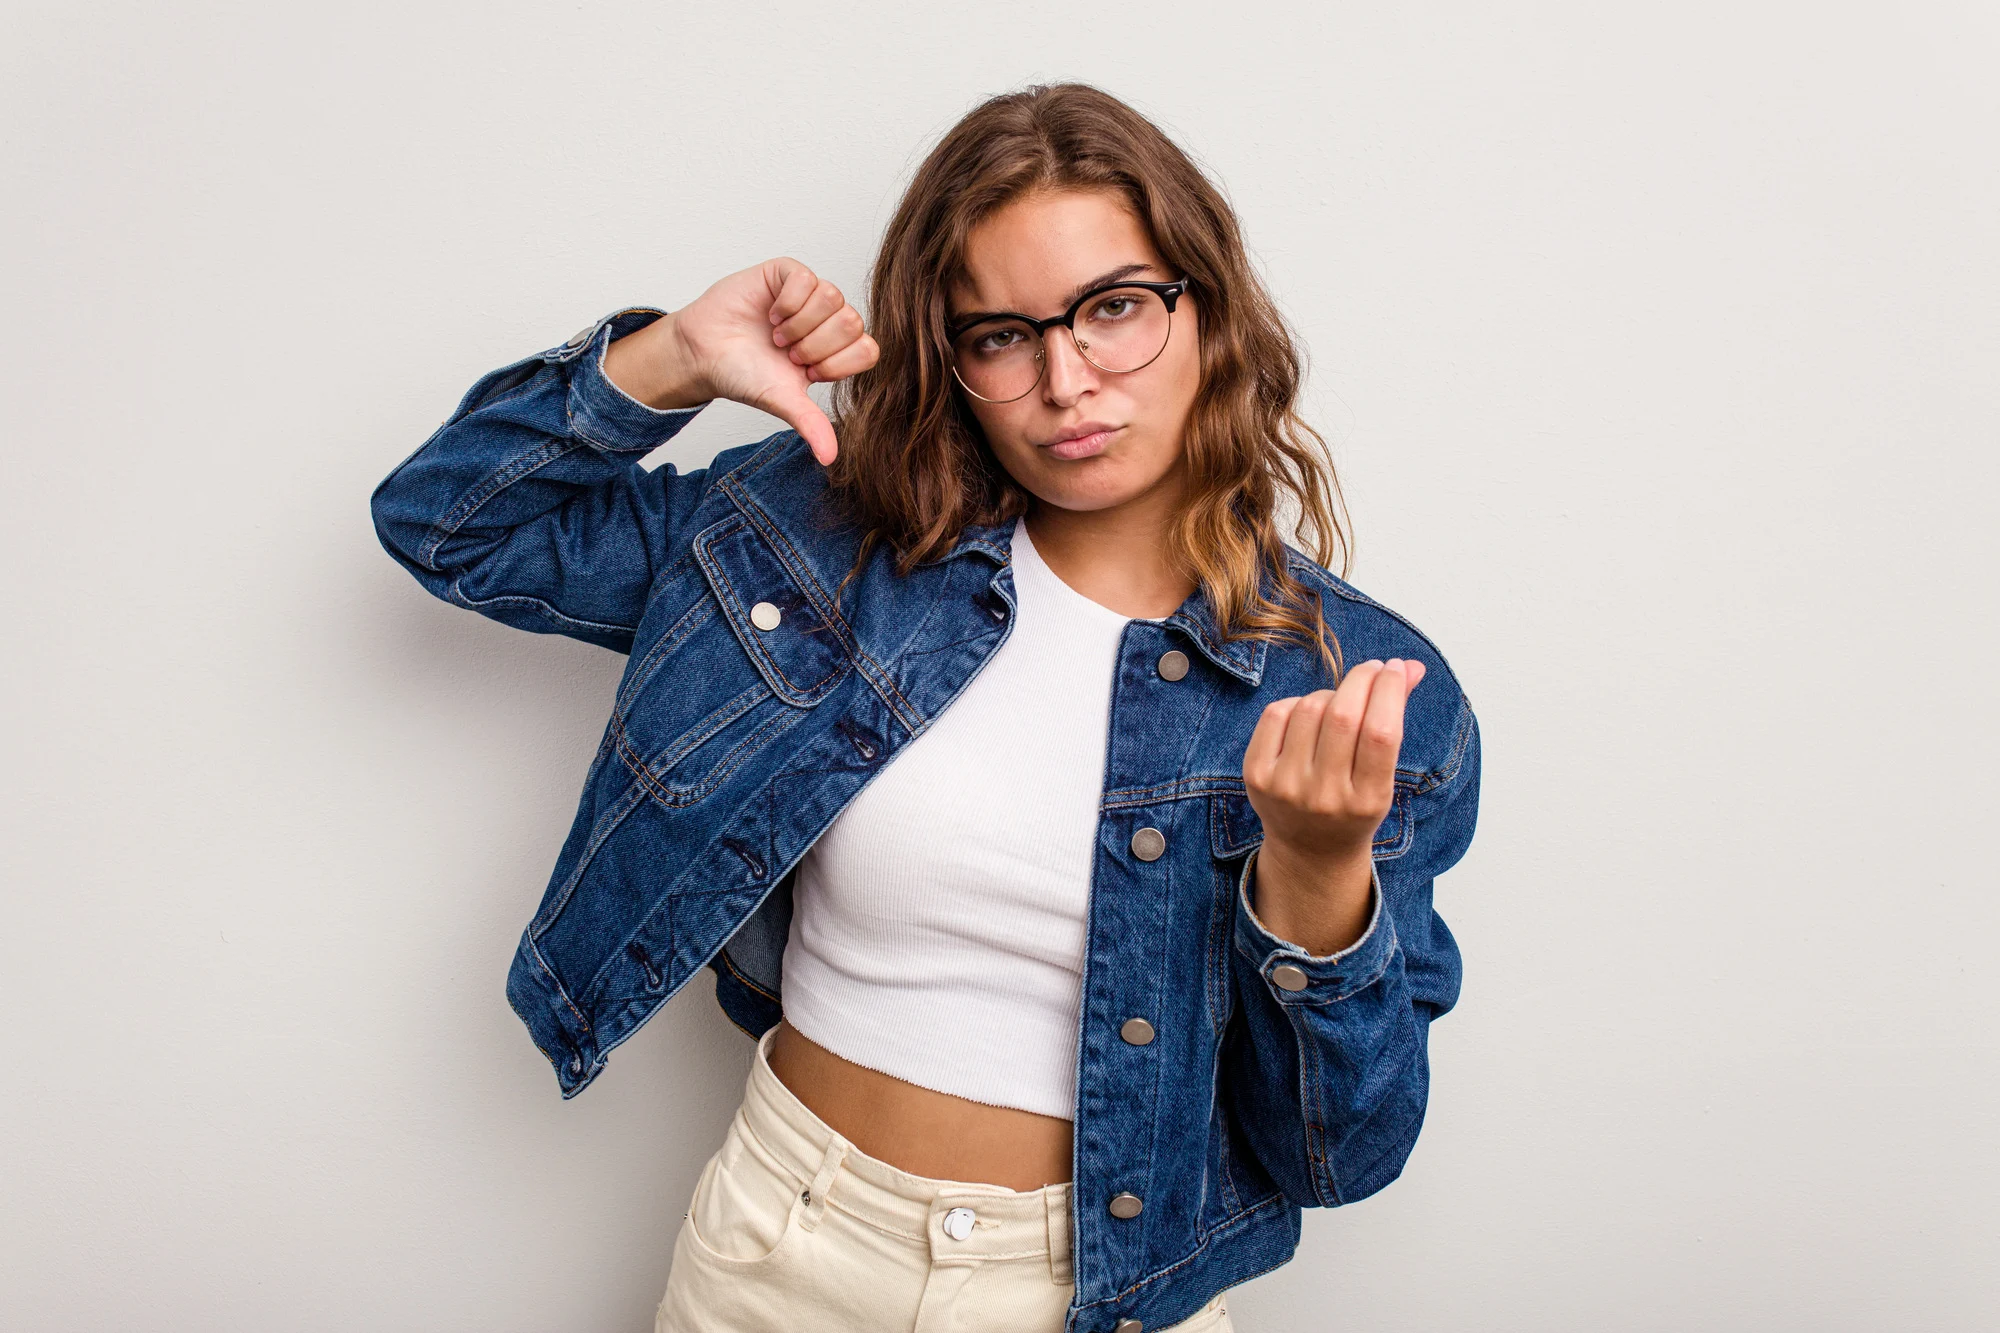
x=1148 y=844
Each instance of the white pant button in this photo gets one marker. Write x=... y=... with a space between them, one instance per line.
x=958 y=1223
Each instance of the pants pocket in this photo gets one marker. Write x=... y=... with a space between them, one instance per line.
x=746 y=1203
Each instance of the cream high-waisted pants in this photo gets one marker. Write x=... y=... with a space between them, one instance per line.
x=792 y=1229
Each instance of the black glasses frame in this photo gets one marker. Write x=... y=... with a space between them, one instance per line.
x=1168 y=292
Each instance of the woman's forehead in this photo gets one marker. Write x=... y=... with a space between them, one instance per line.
x=1039 y=252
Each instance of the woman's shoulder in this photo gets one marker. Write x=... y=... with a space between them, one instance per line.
x=1438 y=721
x=1378 y=630
x=779 y=481
x=782 y=458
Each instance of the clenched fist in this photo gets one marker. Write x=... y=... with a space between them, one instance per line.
x=756 y=337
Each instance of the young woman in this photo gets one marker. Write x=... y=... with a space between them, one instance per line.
x=1063 y=835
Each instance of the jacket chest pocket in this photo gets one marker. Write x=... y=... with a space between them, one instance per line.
x=1233 y=826
x=746 y=657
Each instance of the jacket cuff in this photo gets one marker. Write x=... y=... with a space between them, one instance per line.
x=1294 y=976
x=601 y=413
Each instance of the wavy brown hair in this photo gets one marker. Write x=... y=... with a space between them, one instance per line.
x=914 y=468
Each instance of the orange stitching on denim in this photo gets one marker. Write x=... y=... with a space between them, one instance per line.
x=600 y=833
x=662 y=761
x=496 y=481
x=675 y=634
x=1228 y=1225
x=556 y=983
x=799 y=572
x=675 y=798
x=1178 y=789
x=816 y=593
x=730 y=963
x=808 y=694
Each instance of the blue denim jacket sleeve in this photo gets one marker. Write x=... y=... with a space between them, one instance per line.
x=527 y=504
x=1331 y=1083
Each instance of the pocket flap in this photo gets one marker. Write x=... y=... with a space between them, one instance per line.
x=799 y=656
x=1233 y=826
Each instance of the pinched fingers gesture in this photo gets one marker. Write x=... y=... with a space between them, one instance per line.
x=1320 y=769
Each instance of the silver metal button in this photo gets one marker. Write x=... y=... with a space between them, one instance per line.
x=1137 y=1031
x=1126 y=1205
x=1149 y=844
x=1173 y=664
x=582 y=337
x=764 y=616
x=1289 y=976
x=1129 y=1326
x=958 y=1223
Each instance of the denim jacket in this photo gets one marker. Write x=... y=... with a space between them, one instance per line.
x=1274 y=1080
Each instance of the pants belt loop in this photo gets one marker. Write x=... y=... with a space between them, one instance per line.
x=822 y=1184
x=1061 y=1271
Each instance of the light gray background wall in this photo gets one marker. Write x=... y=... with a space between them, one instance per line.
x=1657 y=350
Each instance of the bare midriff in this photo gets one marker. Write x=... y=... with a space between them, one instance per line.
x=918 y=1129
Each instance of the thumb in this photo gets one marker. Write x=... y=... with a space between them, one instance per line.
x=796 y=409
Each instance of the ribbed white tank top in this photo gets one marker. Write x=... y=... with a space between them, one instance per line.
x=938 y=923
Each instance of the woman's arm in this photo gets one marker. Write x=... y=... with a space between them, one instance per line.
x=527 y=506
x=1329 y=1081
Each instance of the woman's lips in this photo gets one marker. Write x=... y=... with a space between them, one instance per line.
x=1083 y=446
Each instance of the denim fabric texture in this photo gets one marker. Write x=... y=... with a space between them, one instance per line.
x=730 y=748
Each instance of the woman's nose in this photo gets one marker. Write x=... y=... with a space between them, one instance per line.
x=1068 y=371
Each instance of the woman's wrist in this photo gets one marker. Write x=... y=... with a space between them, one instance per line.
x=1322 y=904
x=652 y=365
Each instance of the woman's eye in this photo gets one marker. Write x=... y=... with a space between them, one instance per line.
x=1115 y=307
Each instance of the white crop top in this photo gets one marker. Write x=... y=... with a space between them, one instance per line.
x=938 y=923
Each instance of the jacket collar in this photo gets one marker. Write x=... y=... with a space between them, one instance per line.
x=777 y=487
x=1195 y=617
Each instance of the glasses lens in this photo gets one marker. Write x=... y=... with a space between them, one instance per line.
x=998 y=359
x=1123 y=328
x=1118 y=329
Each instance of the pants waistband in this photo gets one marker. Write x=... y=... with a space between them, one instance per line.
x=1004 y=1223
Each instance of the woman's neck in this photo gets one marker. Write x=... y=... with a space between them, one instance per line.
x=1116 y=557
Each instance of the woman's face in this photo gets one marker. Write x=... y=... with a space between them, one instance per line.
x=1034 y=257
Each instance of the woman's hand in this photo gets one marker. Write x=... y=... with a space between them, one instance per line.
x=757 y=337
x=1320 y=772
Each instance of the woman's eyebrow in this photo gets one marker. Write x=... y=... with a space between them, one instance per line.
x=1076 y=292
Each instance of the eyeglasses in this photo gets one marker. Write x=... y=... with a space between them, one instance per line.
x=1120 y=327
